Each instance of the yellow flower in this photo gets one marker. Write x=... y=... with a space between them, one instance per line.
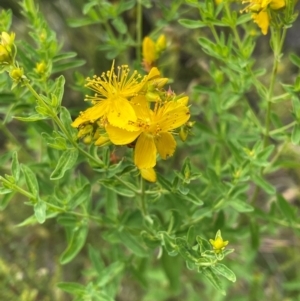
x=218 y=243
x=7 y=48
x=260 y=14
x=153 y=130
x=112 y=94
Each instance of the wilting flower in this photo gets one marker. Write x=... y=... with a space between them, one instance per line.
x=153 y=130
x=218 y=243
x=260 y=13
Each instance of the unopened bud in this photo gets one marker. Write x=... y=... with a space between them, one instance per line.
x=16 y=74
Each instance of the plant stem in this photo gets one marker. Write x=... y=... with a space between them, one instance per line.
x=139 y=29
x=62 y=127
x=142 y=198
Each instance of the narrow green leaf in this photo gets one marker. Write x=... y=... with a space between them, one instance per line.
x=66 y=119
x=4 y=200
x=15 y=166
x=224 y=271
x=65 y=162
x=241 y=206
x=31 y=180
x=119 y=25
x=30 y=118
x=133 y=244
x=296 y=135
x=191 y=23
x=213 y=279
x=191 y=236
x=68 y=65
x=109 y=273
x=32 y=219
x=286 y=208
x=262 y=183
x=96 y=260
x=72 y=287
x=40 y=211
x=75 y=244
x=59 y=89
x=83 y=194
x=63 y=56
x=295 y=59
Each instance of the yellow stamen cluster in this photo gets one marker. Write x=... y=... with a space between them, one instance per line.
x=133 y=110
x=260 y=10
x=218 y=243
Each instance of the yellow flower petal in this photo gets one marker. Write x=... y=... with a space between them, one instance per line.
x=148 y=174
x=165 y=144
x=92 y=114
x=121 y=113
x=277 y=4
x=262 y=20
x=120 y=136
x=145 y=152
x=172 y=115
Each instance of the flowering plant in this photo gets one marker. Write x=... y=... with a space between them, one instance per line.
x=136 y=193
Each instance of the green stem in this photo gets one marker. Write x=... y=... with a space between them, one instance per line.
x=139 y=30
x=282 y=129
x=62 y=127
x=143 y=199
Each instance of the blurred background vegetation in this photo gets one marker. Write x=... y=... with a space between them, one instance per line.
x=29 y=267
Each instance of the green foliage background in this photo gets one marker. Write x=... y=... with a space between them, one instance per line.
x=85 y=226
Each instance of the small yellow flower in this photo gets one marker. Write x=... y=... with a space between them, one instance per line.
x=7 y=39
x=40 y=68
x=218 y=243
x=153 y=130
x=16 y=74
x=218 y=2
x=7 y=48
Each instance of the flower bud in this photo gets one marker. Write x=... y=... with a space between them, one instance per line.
x=161 y=43
x=16 y=74
x=4 y=55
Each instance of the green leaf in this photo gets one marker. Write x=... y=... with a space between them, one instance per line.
x=63 y=56
x=30 y=118
x=68 y=65
x=286 y=208
x=295 y=59
x=40 y=211
x=191 y=23
x=66 y=119
x=15 y=167
x=82 y=194
x=109 y=273
x=72 y=287
x=96 y=260
x=59 y=89
x=241 y=206
x=119 y=25
x=224 y=271
x=32 y=219
x=65 y=162
x=213 y=279
x=191 y=236
x=262 y=183
x=4 y=200
x=31 y=180
x=133 y=244
x=75 y=244
x=296 y=134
